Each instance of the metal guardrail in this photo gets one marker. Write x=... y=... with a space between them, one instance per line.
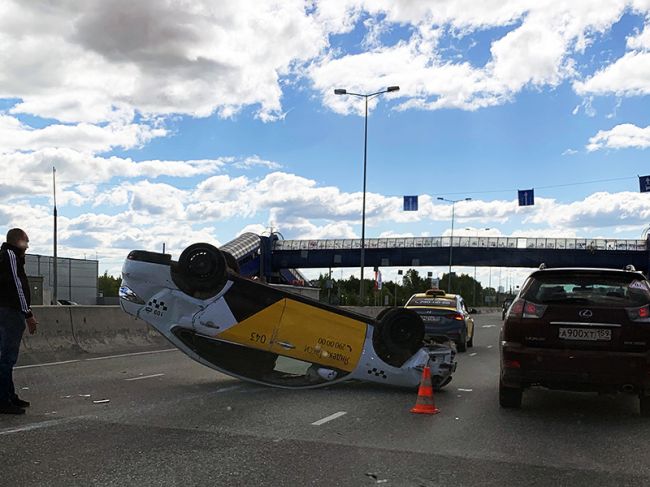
x=476 y=242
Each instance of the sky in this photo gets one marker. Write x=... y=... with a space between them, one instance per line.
x=174 y=122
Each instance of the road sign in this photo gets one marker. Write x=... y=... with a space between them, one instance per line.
x=644 y=184
x=526 y=197
x=410 y=203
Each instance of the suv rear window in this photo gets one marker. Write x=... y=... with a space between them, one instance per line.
x=616 y=289
x=432 y=301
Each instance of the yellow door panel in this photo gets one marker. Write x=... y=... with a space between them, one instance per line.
x=313 y=334
x=258 y=330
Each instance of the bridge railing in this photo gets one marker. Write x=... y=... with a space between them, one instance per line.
x=485 y=242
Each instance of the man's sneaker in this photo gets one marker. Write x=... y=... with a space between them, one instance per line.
x=20 y=403
x=10 y=408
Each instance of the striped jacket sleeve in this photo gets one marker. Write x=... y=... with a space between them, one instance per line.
x=13 y=264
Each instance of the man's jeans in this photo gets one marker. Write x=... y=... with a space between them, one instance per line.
x=12 y=326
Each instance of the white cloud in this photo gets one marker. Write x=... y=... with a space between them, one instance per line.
x=600 y=210
x=256 y=161
x=620 y=137
x=627 y=76
x=640 y=41
x=569 y=152
x=83 y=137
x=32 y=172
x=95 y=61
x=536 y=53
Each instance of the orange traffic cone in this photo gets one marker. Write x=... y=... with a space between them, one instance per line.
x=425 y=404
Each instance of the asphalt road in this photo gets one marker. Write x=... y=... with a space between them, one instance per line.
x=170 y=421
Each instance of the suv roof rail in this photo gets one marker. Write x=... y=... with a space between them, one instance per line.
x=630 y=268
x=542 y=266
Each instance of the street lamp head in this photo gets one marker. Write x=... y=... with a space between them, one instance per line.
x=392 y=88
x=441 y=198
x=468 y=199
x=340 y=91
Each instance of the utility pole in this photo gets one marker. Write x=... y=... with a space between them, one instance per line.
x=55 y=266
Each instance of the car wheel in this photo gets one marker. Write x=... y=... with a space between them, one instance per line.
x=398 y=335
x=470 y=342
x=644 y=405
x=510 y=397
x=201 y=270
x=461 y=344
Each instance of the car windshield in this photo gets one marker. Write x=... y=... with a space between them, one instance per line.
x=589 y=288
x=432 y=301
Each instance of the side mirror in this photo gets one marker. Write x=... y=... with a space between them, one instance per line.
x=473 y=311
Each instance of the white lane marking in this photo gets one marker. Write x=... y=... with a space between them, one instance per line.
x=331 y=417
x=47 y=364
x=42 y=424
x=489 y=346
x=144 y=377
x=472 y=354
x=132 y=354
x=465 y=390
x=488 y=326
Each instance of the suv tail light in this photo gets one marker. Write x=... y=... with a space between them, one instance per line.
x=525 y=309
x=641 y=314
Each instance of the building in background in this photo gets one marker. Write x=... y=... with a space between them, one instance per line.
x=77 y=279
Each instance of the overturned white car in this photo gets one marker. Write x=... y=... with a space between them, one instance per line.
x=262 y=334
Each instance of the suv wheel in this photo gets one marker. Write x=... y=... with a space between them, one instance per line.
x=510 y=397
x=644 y=405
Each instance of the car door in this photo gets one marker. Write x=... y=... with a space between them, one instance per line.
x=313 y=333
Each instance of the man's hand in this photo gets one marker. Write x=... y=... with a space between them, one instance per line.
x=31 y=325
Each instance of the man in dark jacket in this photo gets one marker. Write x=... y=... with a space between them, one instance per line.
x=15 y=312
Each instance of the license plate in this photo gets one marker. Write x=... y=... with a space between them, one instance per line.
x=430 y=318
x=594 y=335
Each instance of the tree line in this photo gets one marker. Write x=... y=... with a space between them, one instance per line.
x=345 y=292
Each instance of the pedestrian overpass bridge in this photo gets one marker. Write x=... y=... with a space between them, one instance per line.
x=279 y=260
x=466 y=251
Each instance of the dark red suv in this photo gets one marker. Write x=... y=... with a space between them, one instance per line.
x=578 y=329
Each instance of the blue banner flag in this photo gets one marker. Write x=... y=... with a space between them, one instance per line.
x=410 y=203
x=644 y=184
x=526 y=197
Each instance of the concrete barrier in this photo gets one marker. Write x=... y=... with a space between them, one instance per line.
x=68 y=330
x=108 y=329
x=55 y=333
x=371 y=311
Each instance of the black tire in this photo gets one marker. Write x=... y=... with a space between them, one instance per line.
x=510 y=397
x=201 y=270
x=644 y=405
x=461 y=344
x=402 y=330
x=398 y=335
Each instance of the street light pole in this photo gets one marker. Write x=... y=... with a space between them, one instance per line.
x=342 y=91
x=451 y=240
x=55 y=263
